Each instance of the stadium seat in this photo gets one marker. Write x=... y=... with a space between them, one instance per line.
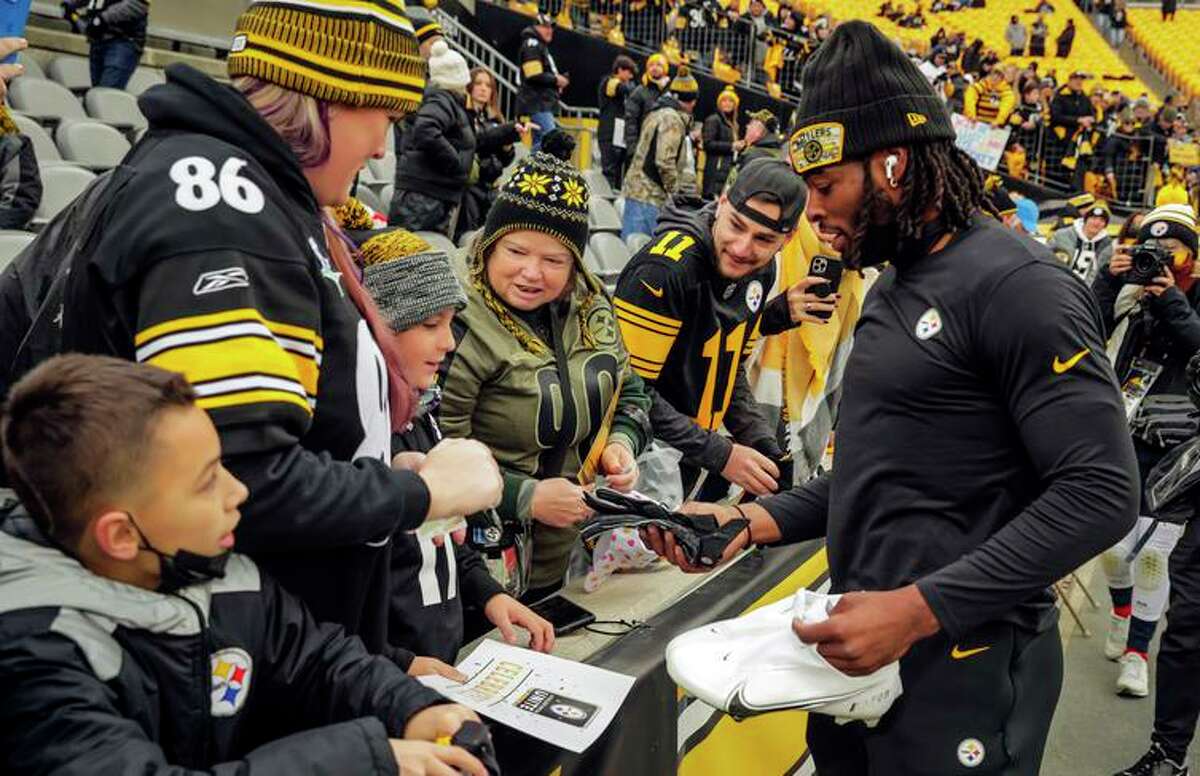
x=91 y=144
x=60 y=186
x=143 y=78
x=367 y=177
x=33 y=68
x=520 y=150
x=115 y=107
x=602 y=216
x=619 y=206
x=44 y=100
x=611 y=255
x=367 y=196
x=385 y=196
x=385 y=168
x=636 y=241
x=75 y=73
x=439 y=241
x=598 y=184
x=12 y=242
x=43 y=144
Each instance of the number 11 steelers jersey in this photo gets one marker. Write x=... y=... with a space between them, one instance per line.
x=687 y=329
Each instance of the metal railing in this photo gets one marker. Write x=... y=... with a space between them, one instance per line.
x=697 y=29
x=1078 y=163
x=479 y=53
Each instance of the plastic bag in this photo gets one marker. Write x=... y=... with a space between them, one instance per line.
x=659 y=479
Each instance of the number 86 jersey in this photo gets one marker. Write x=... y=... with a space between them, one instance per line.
x=688 y=329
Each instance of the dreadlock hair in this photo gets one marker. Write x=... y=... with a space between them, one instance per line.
x=938 y=176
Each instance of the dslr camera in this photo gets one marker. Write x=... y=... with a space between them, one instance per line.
x=1150 y=260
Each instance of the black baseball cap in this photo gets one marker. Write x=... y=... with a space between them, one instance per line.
x=773 y=180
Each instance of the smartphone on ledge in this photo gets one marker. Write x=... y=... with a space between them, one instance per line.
x=566 y=616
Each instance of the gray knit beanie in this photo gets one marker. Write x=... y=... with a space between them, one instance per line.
x=408 y=279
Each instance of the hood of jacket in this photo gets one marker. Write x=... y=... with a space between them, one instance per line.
x=34 y=573
x=1078 y=224
x=693 y=217
x=190 y=101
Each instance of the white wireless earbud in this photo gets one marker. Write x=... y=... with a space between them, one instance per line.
x=889 y=169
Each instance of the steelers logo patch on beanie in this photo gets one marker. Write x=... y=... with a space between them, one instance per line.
x=544 y=194
x=860 y=94
x=361 y=54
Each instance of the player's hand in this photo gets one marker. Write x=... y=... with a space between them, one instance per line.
x=462 y=477
x=558 y=502
x=422 y=758
x=431 y=666
x=1160 y=284
x=752 y=470
x=619 y=466
x=1121 y=262
x=802 y=303
x=866 y=631
x=663 y=542
x=504 y=612
x=434 y=722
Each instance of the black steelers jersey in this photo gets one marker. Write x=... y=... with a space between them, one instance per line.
x=686 y=328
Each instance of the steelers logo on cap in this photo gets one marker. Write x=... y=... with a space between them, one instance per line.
x=812 y=151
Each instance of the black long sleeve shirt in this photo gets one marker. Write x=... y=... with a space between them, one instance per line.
x=979 y=454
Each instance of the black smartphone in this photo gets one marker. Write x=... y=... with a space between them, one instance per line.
x=565 y=616
x=830 y=269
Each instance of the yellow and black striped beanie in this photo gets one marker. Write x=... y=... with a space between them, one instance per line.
x=424 y=24
x=361 y=54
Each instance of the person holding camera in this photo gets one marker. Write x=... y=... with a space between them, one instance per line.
x=1148 y=300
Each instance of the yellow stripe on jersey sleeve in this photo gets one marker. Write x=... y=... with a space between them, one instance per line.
x=230 y=358
x=251 y=397
x=193 y=322
x=671 y=324
x=753 y=340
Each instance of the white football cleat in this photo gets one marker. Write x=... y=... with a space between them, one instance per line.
x=1118 y=637
x=1135 y=676
x=755 y=664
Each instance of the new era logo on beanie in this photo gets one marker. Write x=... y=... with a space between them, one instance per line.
x=860 y=94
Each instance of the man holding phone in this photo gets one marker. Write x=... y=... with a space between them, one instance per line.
x=691 y=305
x=982 y=448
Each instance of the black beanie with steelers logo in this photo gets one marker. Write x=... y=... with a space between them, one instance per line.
x=860 y=93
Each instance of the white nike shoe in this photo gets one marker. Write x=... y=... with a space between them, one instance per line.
x=1135 y=676
x=755 y=664
x=1118 y=637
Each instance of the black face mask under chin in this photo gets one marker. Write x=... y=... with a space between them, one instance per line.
x=184 y=569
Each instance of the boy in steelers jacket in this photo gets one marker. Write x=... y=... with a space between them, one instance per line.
x=204 y=253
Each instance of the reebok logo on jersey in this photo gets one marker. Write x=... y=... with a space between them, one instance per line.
x=963 y=654
x=221 y=280
x=1061 y=367
x=657 y=293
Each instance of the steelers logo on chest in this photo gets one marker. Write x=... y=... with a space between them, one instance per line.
x=602 y=326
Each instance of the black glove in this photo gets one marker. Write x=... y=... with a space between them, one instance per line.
x=702 y=539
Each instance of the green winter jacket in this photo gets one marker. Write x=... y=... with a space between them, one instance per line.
x=504 y=388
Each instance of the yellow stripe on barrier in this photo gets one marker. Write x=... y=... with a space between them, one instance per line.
x=774 y=742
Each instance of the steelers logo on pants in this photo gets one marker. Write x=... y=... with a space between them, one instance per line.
x=971 y=752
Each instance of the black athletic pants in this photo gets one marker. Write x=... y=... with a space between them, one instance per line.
x=981 y=705
x=1177 y=685
x=612 y=162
